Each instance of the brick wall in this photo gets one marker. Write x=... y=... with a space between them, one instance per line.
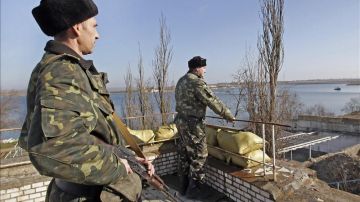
x=225 y=182
x=232 y=186
x=165 y=164
x=35 y=192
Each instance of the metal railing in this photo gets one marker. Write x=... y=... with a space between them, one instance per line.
x=173 y=115
x=16 y=150
x=343 y=182
x=264 y=140
x=9 y=129
x=152 y=115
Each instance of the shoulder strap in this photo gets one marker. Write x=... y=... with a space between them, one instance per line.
x=127 y=136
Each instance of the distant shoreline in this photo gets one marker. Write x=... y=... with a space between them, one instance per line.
x=226 y=85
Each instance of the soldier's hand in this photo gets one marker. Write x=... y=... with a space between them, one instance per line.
x=127 y=166
x=149 y=166
x=230 y=119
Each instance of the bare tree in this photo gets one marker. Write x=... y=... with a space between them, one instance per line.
x=352 y=106
x=163 y=57
x=258 y=75
x=317 y=110
x=246 y=79
x=129 y=107
x=271 y=54
x=271 y=47
x=288 y=106
x=145 y=107
x=8 y=105
x=252 y=78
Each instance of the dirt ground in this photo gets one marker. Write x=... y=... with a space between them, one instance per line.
x=303 y=185
x=340 y=167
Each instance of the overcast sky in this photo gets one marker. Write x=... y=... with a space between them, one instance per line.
x=321 y=38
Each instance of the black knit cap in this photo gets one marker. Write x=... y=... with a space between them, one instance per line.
x=54 y=16
x=196 y=62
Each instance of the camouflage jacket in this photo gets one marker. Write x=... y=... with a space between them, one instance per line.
x=192 y=96
x=69 y=117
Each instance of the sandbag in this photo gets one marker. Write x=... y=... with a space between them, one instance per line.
x=211 y=135
x=142 y=136
x=256 y=155
x=166 y=132
x=217 y=153
x=239 y=142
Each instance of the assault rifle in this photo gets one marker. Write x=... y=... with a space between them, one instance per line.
x=139 y=169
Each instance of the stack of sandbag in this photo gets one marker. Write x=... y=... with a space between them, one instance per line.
x=142 y=136
x=239 y=142
x=166 y=132
x=246 y=160
x=247 y=144
x=211 y=135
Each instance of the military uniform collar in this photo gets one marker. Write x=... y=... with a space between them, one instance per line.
x=193 y=75
x=59 y=48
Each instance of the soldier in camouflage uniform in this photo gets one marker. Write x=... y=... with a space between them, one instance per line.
x=192 y=96
x=69 y=129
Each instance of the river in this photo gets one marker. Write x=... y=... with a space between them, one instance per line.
x=309 y=94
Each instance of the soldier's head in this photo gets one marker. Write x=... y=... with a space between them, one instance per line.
x=69 y=21
x=197 y=65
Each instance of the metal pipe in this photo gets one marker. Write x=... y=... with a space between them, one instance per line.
x=346 y=181
x=152 y=115
x=307 y=143
x=296 y=135
x=223 y=127
x=9 y=129
x=263 y=136
x=15 y=164
x=237 y=154
x=243 y=120
x=273 y=150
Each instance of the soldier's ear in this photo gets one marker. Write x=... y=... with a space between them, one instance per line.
x=76 y=29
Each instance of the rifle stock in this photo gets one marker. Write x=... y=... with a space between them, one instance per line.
x=138 y=168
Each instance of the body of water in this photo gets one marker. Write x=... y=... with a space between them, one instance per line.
x=309 y=94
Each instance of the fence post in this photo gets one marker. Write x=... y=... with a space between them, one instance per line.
x=273 y=150
x=263 y=136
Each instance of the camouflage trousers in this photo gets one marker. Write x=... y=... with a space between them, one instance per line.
x=192 y=148
x=128 y=189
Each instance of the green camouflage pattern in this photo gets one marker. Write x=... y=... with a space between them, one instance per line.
x=192 y=149
x=69 y=118
x=192 y=96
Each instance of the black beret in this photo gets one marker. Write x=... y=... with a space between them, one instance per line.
x=196 y=62
x=54 y=16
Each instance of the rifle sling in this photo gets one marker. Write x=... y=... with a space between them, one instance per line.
x=127 y=136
